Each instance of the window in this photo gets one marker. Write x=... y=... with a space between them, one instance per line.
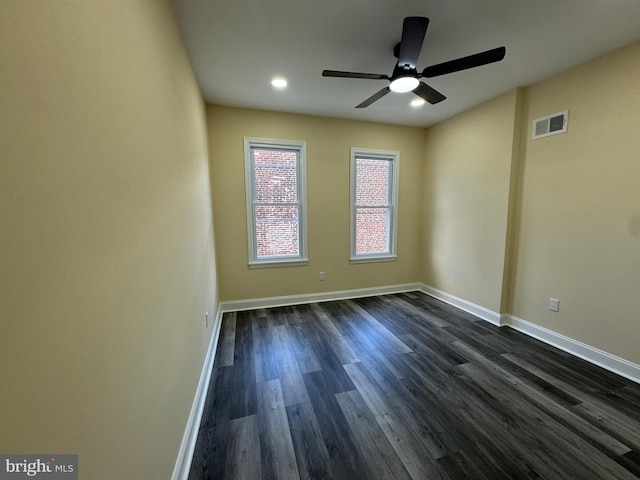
x=374 y=181
x=276 y=198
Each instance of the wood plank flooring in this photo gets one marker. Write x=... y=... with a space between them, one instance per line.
x=406 y=387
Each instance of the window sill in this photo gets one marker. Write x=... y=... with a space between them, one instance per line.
x=373 y=258
x=281 y=262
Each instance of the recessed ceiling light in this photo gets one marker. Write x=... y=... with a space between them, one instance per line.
x=279 y=82
x=418 y=102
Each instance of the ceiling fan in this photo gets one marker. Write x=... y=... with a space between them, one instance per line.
x=405 y=76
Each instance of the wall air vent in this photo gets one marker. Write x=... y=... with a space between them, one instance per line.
x=550 y=125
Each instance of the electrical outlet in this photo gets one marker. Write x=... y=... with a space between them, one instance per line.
x=554 y=304
x=321 y=276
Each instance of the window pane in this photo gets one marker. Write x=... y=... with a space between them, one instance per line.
x=372 y=182
x=275 y=176
x=276 y=231
x=372 y=230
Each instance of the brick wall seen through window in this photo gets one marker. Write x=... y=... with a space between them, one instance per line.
x=276 y=209
x=372 y=206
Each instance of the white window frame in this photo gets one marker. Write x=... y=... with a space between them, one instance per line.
x=394 y=158
x=269 y=143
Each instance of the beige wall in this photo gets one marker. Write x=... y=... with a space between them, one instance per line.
x=580 y=218
x=328 y=146
x=106 y=239
x=467 y=175
x=510 y=222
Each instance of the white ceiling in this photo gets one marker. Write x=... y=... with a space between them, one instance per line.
x=237 y=46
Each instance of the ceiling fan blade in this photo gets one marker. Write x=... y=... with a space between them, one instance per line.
x=482 y=58
x=374 y=98
x=413 y=32
x=370 y=76
x=431 y=95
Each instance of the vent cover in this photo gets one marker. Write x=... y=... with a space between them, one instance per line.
x=550 y=125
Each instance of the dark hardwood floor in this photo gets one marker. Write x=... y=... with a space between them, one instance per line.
x=406 y=387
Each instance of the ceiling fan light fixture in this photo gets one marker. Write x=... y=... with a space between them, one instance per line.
x=404 y=84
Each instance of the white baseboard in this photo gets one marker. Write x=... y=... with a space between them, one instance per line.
x=591 y=354
x=472 y=308
x=271 y=302
x=190 y=437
